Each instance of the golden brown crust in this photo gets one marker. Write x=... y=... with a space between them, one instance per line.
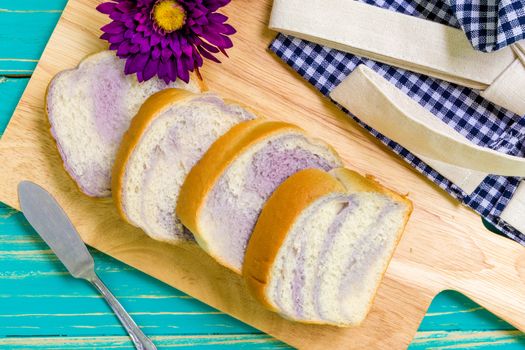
x=285 y=207
x=244 y=106
x=210 y=167
x=278 y=216
x=355 y=182
x=151 y=108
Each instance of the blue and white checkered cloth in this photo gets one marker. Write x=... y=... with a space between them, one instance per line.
x=461 y=108
x=490 y=24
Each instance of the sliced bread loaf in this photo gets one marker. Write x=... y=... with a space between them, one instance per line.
x=89 y=109
x=170 y=133
x=322 y=244
x=224 y=193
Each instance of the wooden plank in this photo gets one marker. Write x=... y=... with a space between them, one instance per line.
x=233 y=341
x=33 y=282
x=451 y=311
x=504 y=340
x=10 y=92
x=445 y=245
x=39 y=297
x=20 y=49
x=440 y=340
x=33 y=6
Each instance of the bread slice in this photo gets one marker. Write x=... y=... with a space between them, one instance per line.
x=89 y=109
x=322 y=244
x=224 y=193
x=170 y=133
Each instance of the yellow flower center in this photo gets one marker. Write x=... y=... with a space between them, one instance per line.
x=169 y=15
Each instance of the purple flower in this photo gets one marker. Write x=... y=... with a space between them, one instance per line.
x=166 y=38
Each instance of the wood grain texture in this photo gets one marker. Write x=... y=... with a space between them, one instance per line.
x=41 y=300
x=415 y=275
x=32 y=281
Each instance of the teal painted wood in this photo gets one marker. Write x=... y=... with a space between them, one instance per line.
x=33 y=6
x=10 y=92
x=41 y=306
x=26 y=26
x=50 y=302
x=452 y=311
x=497 y=340
x=256 y=342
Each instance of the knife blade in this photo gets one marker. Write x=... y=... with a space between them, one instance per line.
x=50 y=221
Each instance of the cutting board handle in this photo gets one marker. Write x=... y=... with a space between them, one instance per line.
x=493 y=275
x=487 y=268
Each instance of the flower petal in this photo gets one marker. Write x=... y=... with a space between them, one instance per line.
x=150 y=52
x=116 y=38
x=208 y=55
x=113 y=28
x=125 y=6
x=172 y=69
x=166 y=53
x=106 y=7
x=175 y=46
x=154 y=40
x=123 y=49
x=217 y=17
x=163 y=70
x=130 y=66
x=155 y=53
x=228 y=29
x=182 y=70
x=151 y=68
x=141 y=60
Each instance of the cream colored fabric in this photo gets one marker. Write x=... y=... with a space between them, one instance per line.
x=387 y=109
x=519 y=48
x=405 y=41
x=466 y=179
x=508 y=89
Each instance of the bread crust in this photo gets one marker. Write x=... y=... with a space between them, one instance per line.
x=205 y=174
x=244 y=106
x=147 y=113
x=279 y=214
x=49 y=123
x=285 y=207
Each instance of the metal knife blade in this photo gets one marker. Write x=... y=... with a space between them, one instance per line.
x=52 y=224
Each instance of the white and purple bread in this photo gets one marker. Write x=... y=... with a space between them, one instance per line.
x=224 y=193
x=89 y=109
x=169 y=134
x=322 y=244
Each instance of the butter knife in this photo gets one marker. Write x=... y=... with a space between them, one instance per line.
x=52 y=224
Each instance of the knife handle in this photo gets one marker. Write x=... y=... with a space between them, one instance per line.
x=140 y=340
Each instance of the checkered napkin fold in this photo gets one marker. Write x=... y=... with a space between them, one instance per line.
x=489 y=139
x=489 y=24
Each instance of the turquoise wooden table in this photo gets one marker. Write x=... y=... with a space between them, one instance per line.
x=41 y=306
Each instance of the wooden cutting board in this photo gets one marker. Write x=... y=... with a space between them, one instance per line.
x=445 y=245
